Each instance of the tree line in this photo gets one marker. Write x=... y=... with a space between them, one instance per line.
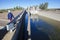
x=12 y=9
x=43 y=6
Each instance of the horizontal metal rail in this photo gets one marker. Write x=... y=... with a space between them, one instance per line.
x=19 y=33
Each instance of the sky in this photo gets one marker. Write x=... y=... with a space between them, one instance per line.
x=5 y=4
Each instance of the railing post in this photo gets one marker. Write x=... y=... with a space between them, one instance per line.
x=7 y=27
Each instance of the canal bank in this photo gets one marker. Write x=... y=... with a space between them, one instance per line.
x=53 y=22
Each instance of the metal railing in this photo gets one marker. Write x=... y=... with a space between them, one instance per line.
x=20 y=33
x=11 y=24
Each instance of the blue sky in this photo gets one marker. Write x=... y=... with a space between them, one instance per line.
x=4 y=4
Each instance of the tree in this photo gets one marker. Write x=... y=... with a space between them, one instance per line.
x=46 y=5
x=18 y=8
x=43 y=6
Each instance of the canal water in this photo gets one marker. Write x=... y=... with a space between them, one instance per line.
x=40 y=30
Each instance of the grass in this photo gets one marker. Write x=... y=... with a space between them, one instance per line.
x=1 y=11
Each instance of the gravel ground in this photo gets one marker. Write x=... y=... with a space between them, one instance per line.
x=3 y=17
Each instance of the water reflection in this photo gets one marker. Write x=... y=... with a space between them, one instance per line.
x=41 y=30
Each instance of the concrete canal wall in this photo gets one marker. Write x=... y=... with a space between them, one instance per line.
x=52 y=17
